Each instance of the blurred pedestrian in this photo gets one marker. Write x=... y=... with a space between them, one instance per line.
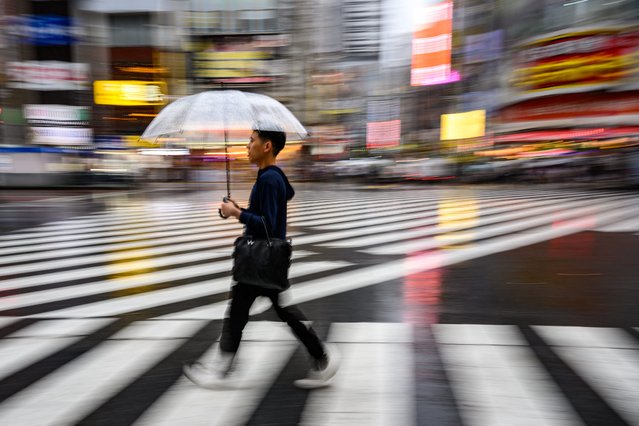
x=267 y=204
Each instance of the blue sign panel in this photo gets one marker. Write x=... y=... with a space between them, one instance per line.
x=41 y=30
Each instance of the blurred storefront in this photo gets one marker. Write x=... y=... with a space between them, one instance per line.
x=43 y=73
x=137 y=63
x=46 y=107
x=574 y=80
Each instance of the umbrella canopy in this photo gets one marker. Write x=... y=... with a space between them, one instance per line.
x=218 y=112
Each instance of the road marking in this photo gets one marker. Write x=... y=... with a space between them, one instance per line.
x=148 y=238
x=110 y=257
x=113 y=231
x=590 y=208
x=264 y=353
x=459 y=206
x=630 y=225
x=605 y=358
x=152 y=299
x=75 y=389
x=468 y=221
x=497 y=380
x=40 y=340
x=114 y=226
x=375 y=382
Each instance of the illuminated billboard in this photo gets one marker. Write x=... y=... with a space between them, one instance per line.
x=245 y=61
x=129 y=92
x=40 y=30
x=464 y=125
x=595 y=58
x=47 y=75
x=61 y=135
x=431 y=47
x=383 y=134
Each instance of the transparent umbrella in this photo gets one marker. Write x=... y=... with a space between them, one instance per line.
x=216 y=113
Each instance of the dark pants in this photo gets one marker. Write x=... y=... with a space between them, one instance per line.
x=243 y=297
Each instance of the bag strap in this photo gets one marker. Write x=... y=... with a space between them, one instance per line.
x=268 y=237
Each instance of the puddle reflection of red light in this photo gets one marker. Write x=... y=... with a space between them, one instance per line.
x=582 y=223
x=579 y=246
x=422 y=292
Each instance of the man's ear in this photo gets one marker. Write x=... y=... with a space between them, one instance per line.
x=268 y=146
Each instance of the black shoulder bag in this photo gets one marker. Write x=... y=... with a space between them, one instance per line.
x=263 y=263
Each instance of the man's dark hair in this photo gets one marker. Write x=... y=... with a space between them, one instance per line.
x=278 y=139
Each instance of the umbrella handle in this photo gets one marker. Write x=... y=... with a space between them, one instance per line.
x=219 y=211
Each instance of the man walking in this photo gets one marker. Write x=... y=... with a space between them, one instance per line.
x=268 y=199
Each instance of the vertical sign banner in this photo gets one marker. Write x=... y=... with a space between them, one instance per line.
x=432 y=42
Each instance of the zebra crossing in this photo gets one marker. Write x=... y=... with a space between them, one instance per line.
x=100 y=310
x=495 y=375
x=161 y=257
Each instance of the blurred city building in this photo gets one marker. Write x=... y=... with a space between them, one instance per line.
x=569 y=84
x=486 y=85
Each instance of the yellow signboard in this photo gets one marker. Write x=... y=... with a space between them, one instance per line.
x=129 y=92
x=232 y=55
x=464 y=125
x=230 y=64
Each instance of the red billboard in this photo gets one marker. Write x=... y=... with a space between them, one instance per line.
x=431 y=48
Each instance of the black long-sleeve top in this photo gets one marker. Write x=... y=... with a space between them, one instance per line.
x=269 y=196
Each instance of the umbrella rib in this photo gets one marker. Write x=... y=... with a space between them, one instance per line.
x=189 y=110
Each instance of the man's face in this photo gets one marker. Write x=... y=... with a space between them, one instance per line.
x=257 y=149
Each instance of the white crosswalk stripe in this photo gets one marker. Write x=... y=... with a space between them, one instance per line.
x=630 y=225
x=367 y=390
x=264 y=353
x=451 y=205
x=130 y=283
x=497 y=380
x=52 y=245
x=456 y=220
x=606 y=358
x=112 y=227
x=41 y=340
x=72 y=391
x=579 y=210
x=494 y=375
x=149 y=300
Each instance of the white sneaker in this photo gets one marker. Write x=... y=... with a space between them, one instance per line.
x=212 y=375
x=206 y=375
x=317 y=377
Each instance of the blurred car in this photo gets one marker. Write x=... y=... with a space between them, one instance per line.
x=422 y=169
x=419 y=169
x=371 y=167
x=554 y=169
x=114 y=171
x=490 y=170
